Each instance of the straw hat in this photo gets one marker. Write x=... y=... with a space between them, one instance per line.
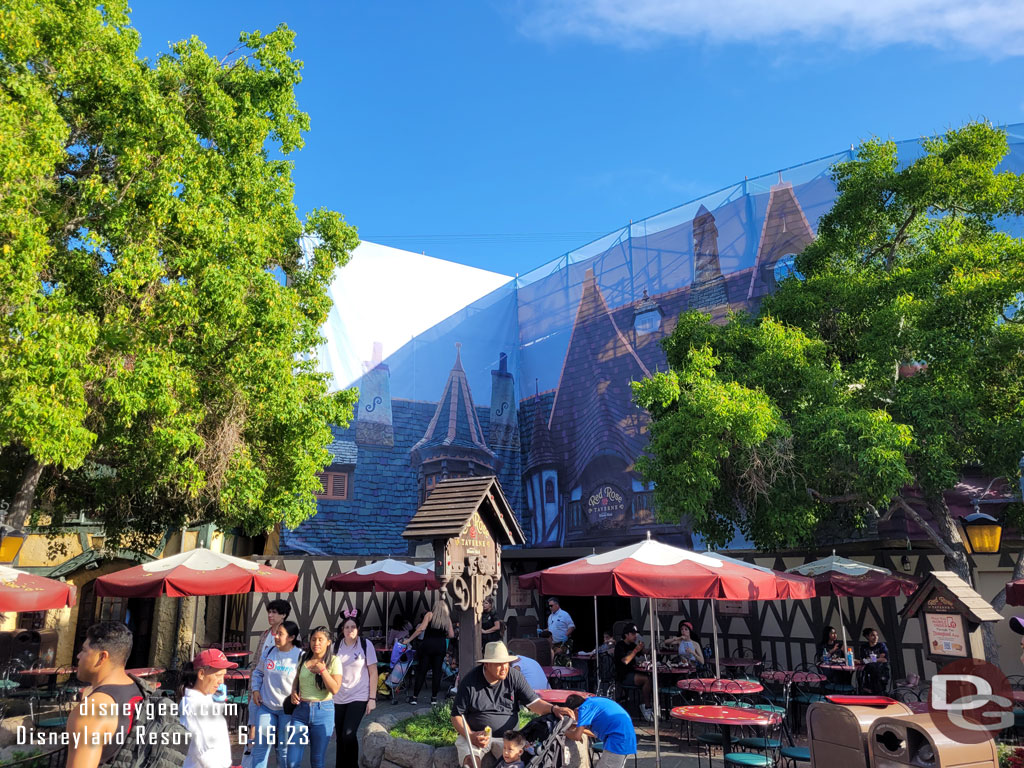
x=497 y=653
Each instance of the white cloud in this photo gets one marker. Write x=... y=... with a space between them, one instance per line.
x=994 y=28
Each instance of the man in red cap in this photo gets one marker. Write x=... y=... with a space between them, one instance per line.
x=210 y=745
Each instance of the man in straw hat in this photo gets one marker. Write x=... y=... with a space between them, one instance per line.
x=487 y=704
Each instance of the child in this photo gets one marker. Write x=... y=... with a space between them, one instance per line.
x=512 y=752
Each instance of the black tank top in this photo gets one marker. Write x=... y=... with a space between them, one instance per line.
x=122 y=695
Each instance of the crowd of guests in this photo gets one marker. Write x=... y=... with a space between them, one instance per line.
x=304 y=690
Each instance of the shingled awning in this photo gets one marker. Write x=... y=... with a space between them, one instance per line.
x=451 y=504
x=976 y=607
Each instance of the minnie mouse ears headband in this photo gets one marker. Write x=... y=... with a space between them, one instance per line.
x=349 y=613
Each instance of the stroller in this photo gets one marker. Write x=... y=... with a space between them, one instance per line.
x=551 y=751
x=402 y=659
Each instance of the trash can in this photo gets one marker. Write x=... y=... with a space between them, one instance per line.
x=915 y=740
x=837 y=728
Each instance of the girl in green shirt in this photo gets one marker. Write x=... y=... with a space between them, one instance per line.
x=318 y=680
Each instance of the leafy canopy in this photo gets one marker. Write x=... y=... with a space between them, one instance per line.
x=153 y=361
x=798 y=421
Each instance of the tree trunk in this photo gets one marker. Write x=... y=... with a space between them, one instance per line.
x=988 y=632
x=25 y=498
x=955 y=560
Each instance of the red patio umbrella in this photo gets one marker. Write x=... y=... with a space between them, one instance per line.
x=198 y=572
x=194 y=573
x=387 y=575
x=658 y=571
x=1015 y=592
x=22 y=592
x=841 y=577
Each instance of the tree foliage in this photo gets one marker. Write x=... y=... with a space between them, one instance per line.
x=804 y=418
x=154 y=370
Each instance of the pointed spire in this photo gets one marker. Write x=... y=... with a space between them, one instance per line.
x=454 y=431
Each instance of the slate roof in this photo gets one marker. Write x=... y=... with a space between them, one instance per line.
x=343 y=451
x=541 y=448
x=384 y=492
x=593 y=412
x=455 y=431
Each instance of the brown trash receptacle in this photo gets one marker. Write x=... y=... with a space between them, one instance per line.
x=894 y=742
x=837 y=734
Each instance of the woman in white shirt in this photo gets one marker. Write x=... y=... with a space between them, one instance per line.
x=357 y=695
x=209 y=745
x=272 y=681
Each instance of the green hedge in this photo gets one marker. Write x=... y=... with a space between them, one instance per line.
x=435 y=727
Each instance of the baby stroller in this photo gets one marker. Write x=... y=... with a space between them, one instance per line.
x=551 y=751
x=402 y=659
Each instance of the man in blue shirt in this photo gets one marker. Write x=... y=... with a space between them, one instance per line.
x=603 y=719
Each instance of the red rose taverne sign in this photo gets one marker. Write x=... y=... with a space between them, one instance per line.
x=606 y=505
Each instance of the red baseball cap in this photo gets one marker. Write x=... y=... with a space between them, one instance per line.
x=213 y=657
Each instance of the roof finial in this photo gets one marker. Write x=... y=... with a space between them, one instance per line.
x=648 y=534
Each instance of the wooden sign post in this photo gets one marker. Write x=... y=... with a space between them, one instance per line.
x=951 y=615
x=468 y=520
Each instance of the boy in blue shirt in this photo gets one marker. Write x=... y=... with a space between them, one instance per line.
x=603 y=719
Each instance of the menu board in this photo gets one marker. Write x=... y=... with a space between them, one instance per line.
x=517 y=596
x=945 y=634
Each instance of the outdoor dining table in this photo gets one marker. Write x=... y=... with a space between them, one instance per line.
x=48 y=672
x=739 y=662
x=562 y=673
x=236 y=656
x=713 y=685
x=559 y=695
x=146 y=671
x=238 y=674
x=724 y=717
x=785 y=675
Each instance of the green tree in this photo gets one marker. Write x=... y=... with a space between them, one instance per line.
x=155 y=367
x=892 y=362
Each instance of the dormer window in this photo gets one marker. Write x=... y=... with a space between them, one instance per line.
x=647 y=316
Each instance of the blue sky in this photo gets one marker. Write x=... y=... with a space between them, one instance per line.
x=503 y=134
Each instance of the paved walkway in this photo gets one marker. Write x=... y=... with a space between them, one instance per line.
x=671 y=757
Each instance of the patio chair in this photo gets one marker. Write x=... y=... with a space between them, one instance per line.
x=761 y=742
x=804 y=694
x=767 y=758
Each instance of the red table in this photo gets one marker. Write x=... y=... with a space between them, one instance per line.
x=712 y=685
x=782 y=675
x=45 y=671
x=238 y=674
x=236 y=655
x=740 y=662
x=559 y=695
x=842 y=667
x=724 y=717
x=146 y=671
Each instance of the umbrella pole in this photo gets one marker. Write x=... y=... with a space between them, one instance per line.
x=714 y=630
x=842 y=623
x=597 y=649
x=654 y=671
x=224 y=621
x=387 y=617
x=195 y=618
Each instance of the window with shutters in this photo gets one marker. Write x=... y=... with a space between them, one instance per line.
x=333 y=485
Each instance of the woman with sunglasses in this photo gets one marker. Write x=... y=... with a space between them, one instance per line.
x=319 y=678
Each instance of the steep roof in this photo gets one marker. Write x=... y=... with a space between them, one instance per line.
x=785 y=231
x=451 y=504
x=593 y=412
x=454 y=431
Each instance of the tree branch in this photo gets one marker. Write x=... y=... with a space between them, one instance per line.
x=844 y=499
x=898 y=238
x=912 y=513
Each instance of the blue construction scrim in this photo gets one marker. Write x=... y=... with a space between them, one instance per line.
x=545 y=364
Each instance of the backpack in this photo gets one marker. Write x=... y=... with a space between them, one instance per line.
x=164 y=741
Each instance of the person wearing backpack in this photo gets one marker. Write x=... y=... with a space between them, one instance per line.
x=209 y=745
x=357 y=695
x=104 y=714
